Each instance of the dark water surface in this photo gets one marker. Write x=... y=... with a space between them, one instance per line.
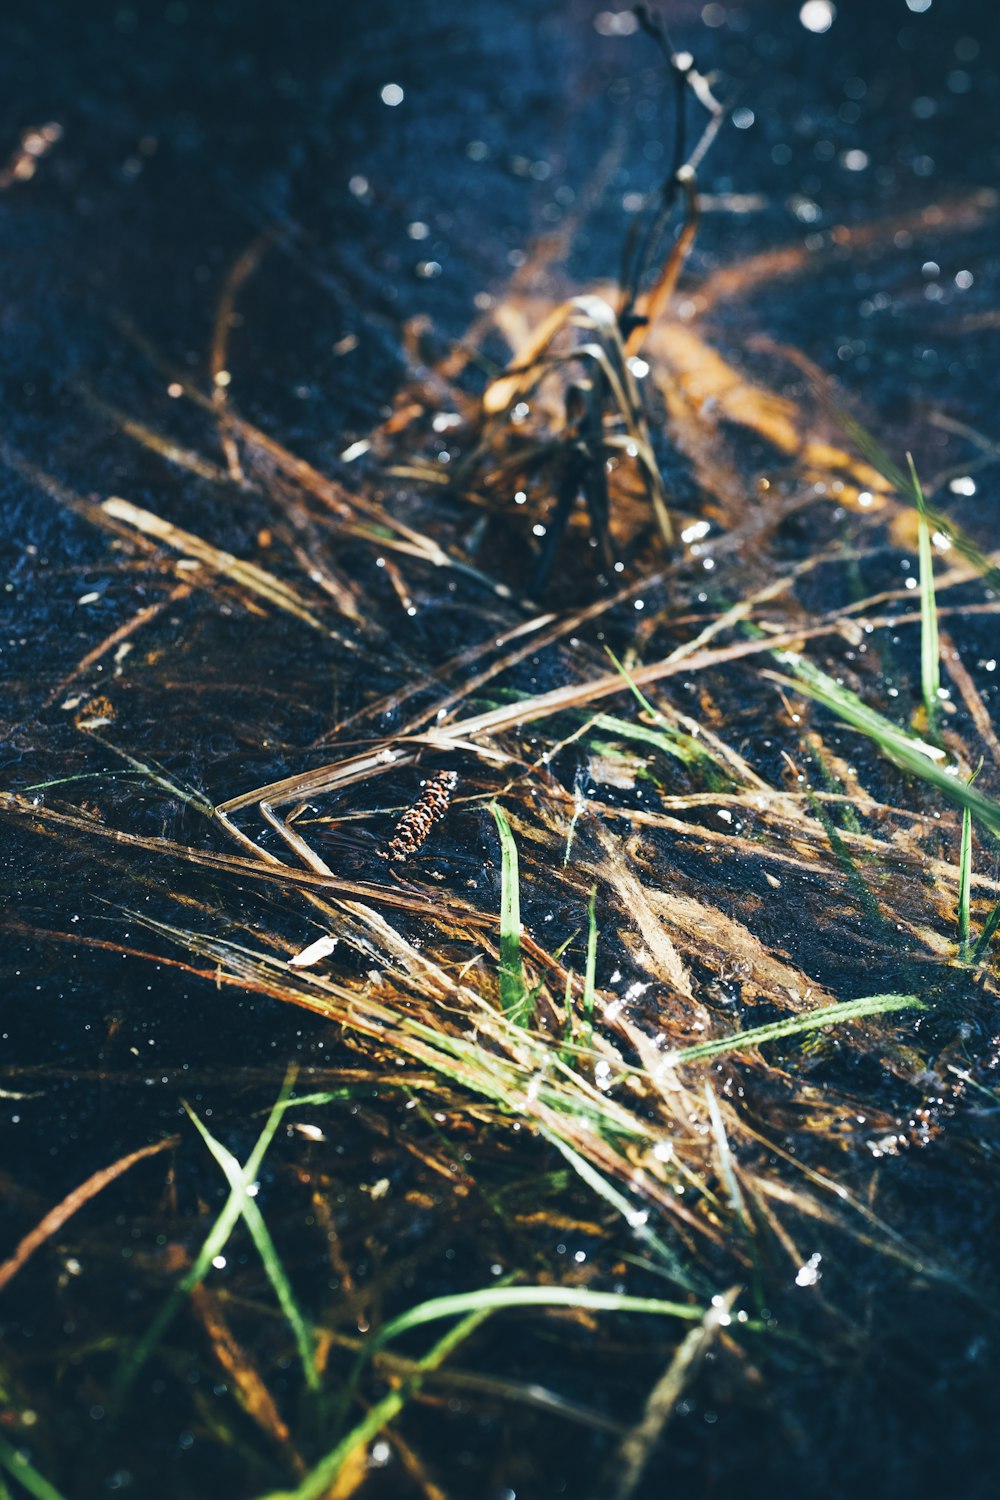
x=187 y=130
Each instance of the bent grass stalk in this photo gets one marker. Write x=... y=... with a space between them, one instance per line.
x=261 y=1237
x=495 y=1299
x=319 y=1482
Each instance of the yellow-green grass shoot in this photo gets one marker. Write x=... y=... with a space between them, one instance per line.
x=930 y=651
x=513 y=992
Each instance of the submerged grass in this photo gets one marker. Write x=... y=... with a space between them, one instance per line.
x=319 y=1482
x=489 y=1040
x=829 y=1015
x=518 y=1035
x=218 y=1237
x=259 y=1233
x=909 y=753
x=20 y=1467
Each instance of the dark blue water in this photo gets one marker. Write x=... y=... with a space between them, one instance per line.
x=186 y=130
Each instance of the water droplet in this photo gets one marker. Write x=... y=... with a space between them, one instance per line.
x=819 y=15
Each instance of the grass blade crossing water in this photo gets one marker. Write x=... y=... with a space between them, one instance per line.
x=905 y=750
x=261 y=1237
x=215 y=1242
x=496 y=1299
x=19 y=1467
x=827 y=1015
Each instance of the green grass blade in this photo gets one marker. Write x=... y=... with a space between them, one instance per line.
x=965 y=875
x=215 y=1242
x=319 y=1481
x=986 y=936
x=590 y=973
x=566 y=1050
x=513 y=991
x=902 y=484
x=635 y=1218
x=259 y=1232
x=903 y=749
x=679 y=746
x=26 y=1475
x=668 y=738
x=727 y=1167
x=815 y=683
x=930 y=651
x=495 y=1299
x=827 y=1015
x=965 y=881
x=327 y=1096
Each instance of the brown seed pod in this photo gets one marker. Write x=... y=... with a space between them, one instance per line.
x=416 y=823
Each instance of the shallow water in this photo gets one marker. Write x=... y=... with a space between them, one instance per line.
x=186 y=133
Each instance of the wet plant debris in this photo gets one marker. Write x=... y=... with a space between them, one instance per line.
x=501 y=778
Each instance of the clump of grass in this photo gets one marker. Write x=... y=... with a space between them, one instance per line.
x=320 y=1480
